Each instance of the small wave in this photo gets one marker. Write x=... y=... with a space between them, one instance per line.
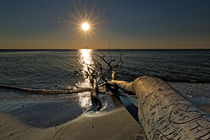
x=130 y=75
x=44 y=91
x=174 y=79
x=169 y=79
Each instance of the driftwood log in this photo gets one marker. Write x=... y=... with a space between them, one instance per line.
x=164 y=113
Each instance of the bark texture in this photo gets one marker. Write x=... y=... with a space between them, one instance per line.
x=164 y=113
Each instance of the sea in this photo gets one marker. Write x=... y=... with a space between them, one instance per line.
x=23 y=71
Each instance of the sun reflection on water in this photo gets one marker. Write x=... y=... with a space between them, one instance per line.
x=85 y=61
x=86 y=58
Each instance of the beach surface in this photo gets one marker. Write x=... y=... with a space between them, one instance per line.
x=114 y=125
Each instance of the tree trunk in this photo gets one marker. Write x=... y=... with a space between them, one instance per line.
x=164 y=113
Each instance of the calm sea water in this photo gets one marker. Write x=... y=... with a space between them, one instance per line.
x=55 y=69
x=188 y=71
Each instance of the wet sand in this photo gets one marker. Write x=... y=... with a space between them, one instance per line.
x=114 y=125
x=205 y=108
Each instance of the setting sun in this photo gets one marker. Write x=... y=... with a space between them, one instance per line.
x=85 y=26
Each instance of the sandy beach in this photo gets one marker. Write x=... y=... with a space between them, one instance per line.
x=114 y=125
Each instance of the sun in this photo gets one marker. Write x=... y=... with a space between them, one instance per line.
x=85 y=26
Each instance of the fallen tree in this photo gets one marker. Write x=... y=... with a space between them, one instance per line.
x=163 y=112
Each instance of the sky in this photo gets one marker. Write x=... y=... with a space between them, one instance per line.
x=115 y=24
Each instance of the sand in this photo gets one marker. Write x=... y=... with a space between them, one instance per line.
x=205 y=108
x=113 y=125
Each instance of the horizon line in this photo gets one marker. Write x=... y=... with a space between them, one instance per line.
x=5 y=50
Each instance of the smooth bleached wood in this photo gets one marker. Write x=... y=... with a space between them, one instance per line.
x=164 y=113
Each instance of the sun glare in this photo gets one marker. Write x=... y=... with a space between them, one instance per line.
x=86 y=56
x=85 y=26
x=85 y=60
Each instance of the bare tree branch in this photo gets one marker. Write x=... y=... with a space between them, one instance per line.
x=96 y=73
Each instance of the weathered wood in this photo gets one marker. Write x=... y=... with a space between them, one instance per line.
x=164 y=113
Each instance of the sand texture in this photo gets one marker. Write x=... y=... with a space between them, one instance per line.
x=114 y=125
